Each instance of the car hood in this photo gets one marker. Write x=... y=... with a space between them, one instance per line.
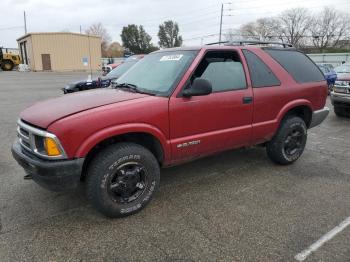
x=81 y=82
x=343 y=76
x=84 y=82
x=44 y=113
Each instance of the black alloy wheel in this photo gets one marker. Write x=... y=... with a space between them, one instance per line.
x=293 y=143
x=128 y=182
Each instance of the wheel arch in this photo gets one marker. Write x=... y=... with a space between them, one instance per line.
x=147 y=136
x=300 y=108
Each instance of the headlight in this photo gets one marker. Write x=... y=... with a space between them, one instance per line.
x=47 y=146
x=40 y=142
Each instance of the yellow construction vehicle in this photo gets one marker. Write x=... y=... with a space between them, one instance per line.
x=8 y=60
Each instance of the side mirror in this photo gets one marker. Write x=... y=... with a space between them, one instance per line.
x=199 y=87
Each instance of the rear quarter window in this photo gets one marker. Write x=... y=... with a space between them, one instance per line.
x=298 y=65
x=260 y=74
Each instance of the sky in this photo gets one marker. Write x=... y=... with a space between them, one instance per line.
x=198 y=20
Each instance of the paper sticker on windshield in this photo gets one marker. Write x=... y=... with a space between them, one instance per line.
x=171 y=58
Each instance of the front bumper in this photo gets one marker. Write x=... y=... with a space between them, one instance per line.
x=55 y=175
x=319 y=116
x=341 y=99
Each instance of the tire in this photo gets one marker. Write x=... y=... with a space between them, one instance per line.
x=7 y=65
x=289 y=142
x=118 y=171
x=340 y=111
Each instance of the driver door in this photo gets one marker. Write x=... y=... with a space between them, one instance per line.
x=202 y=125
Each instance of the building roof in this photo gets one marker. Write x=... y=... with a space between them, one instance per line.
x=54 y=33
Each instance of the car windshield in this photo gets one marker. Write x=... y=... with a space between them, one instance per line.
x=159 y=72
x=343 y=69
x=121 y=69
x=323 y=68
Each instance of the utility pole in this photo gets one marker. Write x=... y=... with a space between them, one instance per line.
x=25 y=22
x=222 y=12
x=80 y=29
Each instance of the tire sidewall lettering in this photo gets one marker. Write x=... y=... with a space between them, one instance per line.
x=146 y=195
x=122 y=159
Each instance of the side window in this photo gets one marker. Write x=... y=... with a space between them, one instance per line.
x=223 y=69
x=260 y=74
x=298 y=65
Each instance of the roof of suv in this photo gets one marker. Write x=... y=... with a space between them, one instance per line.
x=223 y=47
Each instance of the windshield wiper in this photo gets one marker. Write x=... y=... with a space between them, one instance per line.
x=127 y=85
x=134 y=88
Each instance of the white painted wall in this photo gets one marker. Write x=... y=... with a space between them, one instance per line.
x=331 y=58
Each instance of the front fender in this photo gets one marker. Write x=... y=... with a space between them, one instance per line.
x=113 y=131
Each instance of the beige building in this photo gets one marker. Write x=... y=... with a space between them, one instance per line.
x=60 y=51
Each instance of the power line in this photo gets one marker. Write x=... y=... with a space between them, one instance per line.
x=270 y=36
x=188 y=12
x=275 y=12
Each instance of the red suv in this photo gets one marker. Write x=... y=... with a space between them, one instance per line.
x=173 y=106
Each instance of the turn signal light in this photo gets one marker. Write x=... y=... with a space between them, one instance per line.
x=51 y=147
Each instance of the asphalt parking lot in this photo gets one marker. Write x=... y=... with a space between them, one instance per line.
x=235 y=206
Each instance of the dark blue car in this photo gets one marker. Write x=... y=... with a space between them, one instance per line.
x=105 y=81
x=329 y=74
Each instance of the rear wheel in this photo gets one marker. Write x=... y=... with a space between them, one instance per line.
x=122 y=179
x=7 y=65
x=289 y=142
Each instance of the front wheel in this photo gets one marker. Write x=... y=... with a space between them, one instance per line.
x=7 y=65
x=289 y=142
x=122 y=179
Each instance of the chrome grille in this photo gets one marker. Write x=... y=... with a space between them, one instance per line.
x=342 y=89
x=24 y=137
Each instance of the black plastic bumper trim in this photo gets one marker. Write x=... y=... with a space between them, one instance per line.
x=58 y=175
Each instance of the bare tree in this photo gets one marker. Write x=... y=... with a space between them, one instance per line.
x=233 y=35
x=293 y=24
x=263 y=29
x=329 y=27
x=99 y=30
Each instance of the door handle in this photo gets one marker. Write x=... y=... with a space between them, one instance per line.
x=247 y=100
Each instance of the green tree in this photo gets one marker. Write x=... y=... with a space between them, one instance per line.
x=136 y=39
x=169 y=35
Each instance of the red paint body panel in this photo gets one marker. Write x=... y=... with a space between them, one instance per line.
x=79 y=132
x=220 y=121
x=44 y=113
x=272 y=103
